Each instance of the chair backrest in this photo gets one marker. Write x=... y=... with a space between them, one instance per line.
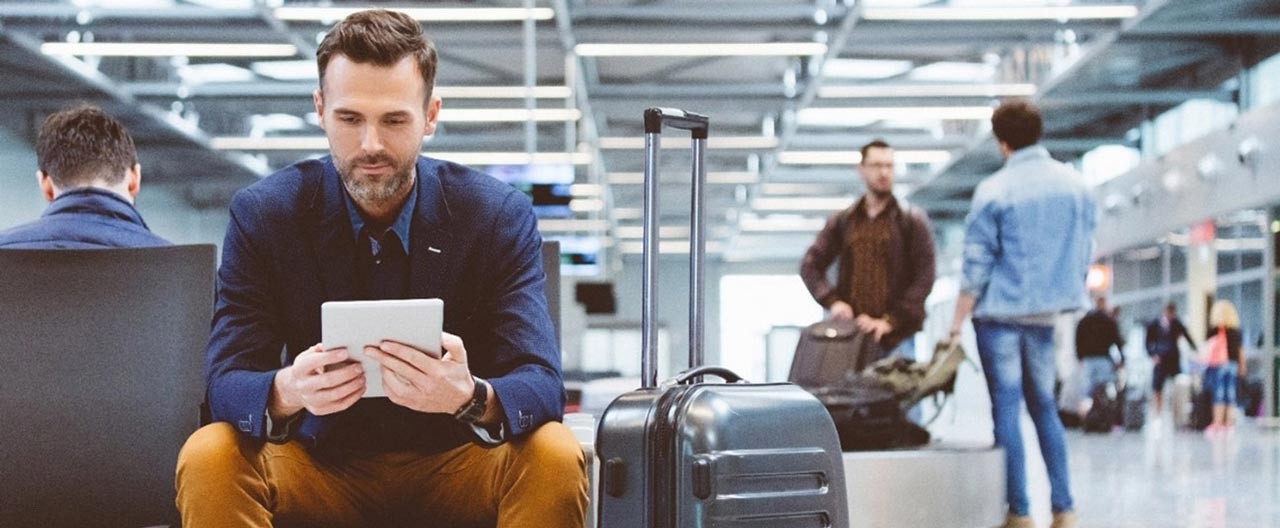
x=551 y=267
x=101 y=357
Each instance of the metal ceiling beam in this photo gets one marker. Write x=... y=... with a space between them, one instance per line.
x=1132 y=97
x=1209 y=28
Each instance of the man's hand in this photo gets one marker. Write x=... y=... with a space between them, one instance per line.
x=841 y=310
x=309 y=384
x=420 y=382
x=878 y=328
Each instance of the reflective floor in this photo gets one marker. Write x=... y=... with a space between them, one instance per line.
x=1166 y=477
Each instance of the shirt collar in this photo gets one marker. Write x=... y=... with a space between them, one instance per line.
x=1028 y=153
x=401 y=225
x=860 y=208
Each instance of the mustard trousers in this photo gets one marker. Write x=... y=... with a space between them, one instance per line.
x=226 y=479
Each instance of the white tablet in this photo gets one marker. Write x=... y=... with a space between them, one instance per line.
x=357 y=324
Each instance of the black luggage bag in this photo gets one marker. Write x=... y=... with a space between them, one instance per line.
x=689 y=454
x=1104 y=414
x=830 y=353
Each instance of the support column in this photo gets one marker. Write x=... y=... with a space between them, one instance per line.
x=1202 y=277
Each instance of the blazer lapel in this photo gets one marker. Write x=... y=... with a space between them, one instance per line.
x=430 y=242
x=332 y=239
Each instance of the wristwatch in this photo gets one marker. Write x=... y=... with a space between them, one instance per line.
x=473 y=410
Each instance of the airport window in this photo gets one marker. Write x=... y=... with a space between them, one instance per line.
x=752 y=305
x=1266 y=82
x=1177 y=263
x=1190 y=121
x=1106 y=162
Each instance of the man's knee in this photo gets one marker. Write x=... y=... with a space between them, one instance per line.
x=553 y=447
x=214 y=451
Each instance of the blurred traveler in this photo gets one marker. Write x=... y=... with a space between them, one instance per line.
x=886 y=259
x=89 y=174
x=1162 y=338
x=1225 y=366
x=1027 y=249
x=1096 y=333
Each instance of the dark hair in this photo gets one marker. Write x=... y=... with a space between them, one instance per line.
x=877 y=143
x=1017 y=123
x=380 y=37
x=81 y=145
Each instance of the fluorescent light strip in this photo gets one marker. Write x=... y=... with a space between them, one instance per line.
x=823 y=203
x=167 y=49
x=443 y=14
x=571 y=225
x=724 y=49
x=799 y=188
x=320 y=143
x=507 y=115
x=843 y=116
x=853 y=157
x=501 y=92
x=718 y=178
x=586 y=205
x=926 y=90
x=669 y=246
x=585 y=190
x=947 y=14
x=634 y=232
x=752 y=224
x=722 y=142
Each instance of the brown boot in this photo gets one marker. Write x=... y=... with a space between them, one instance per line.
x=1064 y=520
x=1018 y=521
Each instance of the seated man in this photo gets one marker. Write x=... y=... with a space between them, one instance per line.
x=89 y=173
x=470 y=439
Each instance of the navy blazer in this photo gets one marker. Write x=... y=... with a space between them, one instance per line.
x=83 y=218
x=289 y=247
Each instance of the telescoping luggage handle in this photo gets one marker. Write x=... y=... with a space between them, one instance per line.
x=698 y=126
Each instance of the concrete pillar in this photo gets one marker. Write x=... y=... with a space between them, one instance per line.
x=1202 y=278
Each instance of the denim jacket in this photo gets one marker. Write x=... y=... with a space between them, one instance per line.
x=1029 y=239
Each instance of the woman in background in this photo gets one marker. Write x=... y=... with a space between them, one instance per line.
x=1225 y=366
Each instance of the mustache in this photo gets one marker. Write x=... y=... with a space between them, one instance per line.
x=376 y=159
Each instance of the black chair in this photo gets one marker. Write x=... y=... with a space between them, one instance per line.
x=101 y=355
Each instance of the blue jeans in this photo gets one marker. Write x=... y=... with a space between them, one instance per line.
x=1220 y=382
x=1019 y=362
x=1097 y=370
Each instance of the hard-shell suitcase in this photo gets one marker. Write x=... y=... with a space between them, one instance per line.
x=690 y=454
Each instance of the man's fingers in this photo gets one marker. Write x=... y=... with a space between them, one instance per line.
x=316 y=358
x=453 y=347
x=335 y=378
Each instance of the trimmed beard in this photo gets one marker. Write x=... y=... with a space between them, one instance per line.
x=366 y=191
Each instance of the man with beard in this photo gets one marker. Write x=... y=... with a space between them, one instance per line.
x=886 y=259
x=470 y=439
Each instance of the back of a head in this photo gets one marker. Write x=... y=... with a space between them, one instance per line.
x=379 y=37
x=1017 y=123
x=83 y=145
x=1223 y=314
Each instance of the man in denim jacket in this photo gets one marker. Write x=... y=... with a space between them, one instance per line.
x=1027 y=249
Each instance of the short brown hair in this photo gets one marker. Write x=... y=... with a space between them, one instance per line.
x=1017 y=123
x=380 y=37
x=875 y=143
x=81 y=145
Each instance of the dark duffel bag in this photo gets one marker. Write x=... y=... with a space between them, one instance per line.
x=869 y=417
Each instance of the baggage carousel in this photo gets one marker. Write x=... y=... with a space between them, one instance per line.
x=939 y=486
